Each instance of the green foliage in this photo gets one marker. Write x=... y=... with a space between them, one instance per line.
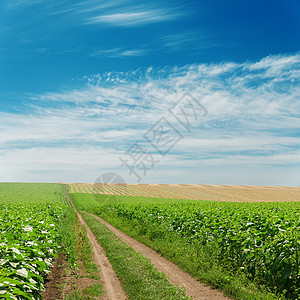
x=88 y=293
x=94 y=290
x=31 y=220
x=198 y=260
x=67 y=235
x=261 y=240
x=31 y=193
x=258 y=240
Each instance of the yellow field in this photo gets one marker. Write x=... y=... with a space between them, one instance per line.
x=235 y=193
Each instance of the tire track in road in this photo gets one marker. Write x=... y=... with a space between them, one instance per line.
x=175 y=275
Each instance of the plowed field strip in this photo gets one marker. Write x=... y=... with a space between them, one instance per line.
x=195 y=191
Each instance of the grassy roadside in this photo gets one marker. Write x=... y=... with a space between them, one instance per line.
x=198 y=261
x=85 y=253
x=67 y=235
x=139 y=278
x=86 y=272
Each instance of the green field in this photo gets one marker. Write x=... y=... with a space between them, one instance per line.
x=247 y=250
x=254 y=243
x=35 y=223
x=86 y=201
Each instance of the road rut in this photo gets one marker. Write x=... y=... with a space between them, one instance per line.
x=175 y=275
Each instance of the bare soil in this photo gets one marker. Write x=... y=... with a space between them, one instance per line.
x=175 y=275
x=63 y=280
x=54 y=279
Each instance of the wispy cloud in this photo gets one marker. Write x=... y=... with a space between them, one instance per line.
x=134 y=17
x=119 y=52
x=124 y=13
x=187 y=40
x=252 y=124
x=19 y=3
x=69 y=16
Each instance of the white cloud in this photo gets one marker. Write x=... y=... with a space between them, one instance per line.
x=236 y=142
x=134 y=17
x=122 y=13
x=56 y=164
x=75 y=135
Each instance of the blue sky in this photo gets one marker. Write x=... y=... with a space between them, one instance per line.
x=82 y=82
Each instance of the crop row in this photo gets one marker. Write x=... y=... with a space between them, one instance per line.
x=29 y=237
x=259 y=239
x=27 y=247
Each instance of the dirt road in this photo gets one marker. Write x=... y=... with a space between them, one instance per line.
x=110 y=281
x=175 y=275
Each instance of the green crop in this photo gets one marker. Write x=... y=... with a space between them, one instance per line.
x=30 y=216
x=260 y=240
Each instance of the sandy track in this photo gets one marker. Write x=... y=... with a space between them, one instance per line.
x=175 y=275
x=109 y=279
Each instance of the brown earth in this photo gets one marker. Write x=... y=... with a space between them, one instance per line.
x=232 y=193
x=175 y=275
x=54 y=279
x=63 y=280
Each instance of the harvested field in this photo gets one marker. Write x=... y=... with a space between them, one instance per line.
x=234 y=193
